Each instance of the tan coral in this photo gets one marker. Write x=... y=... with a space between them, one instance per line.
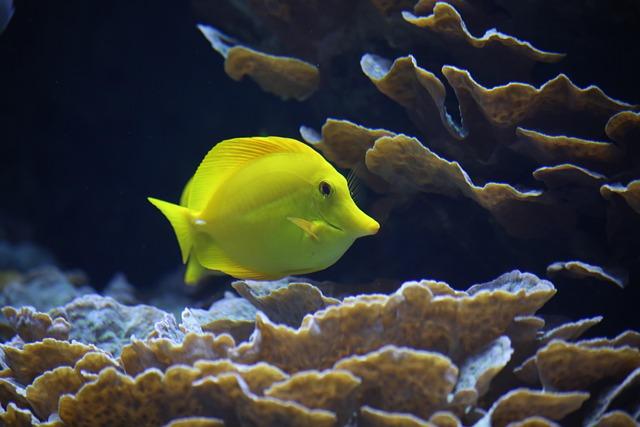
x=36 y=358
x=419 y=91
x=424 y=7
x=31 y=325
x=580 y=270
x=533 y=422
x=335 y=390
x=509 y=105
x=151 y=399
x=44 y=392
x=624 y=128
x=281 y=75
x=627 y=338
x=630 y=193
x=446 y=20
x=154 y=398
x=11 y=391
x=412 y=317
x=284 y=303
x=568 y=366
x=345 y=144
x=521 y=403
x=391 y=373
x=231 y=393
x=162 y=352
x=528 y=371
x=616 y=419
x=16 y=417
x=627 y=393
x=371 y=417
x=548 y=149
x=445 y=419
x=258 y=377
x=571 y=330
x=407 y=163
x=196 y=422
x=559 y=176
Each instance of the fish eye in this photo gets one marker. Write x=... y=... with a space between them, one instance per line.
x=325 y=188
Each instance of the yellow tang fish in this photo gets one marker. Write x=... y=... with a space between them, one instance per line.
x=264 y=208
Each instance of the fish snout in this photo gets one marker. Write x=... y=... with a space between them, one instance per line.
x=372 y=227
x=366 y=226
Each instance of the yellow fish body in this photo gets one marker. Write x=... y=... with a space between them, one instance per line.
x=264 y=208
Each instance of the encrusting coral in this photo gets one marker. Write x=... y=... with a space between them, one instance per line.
x=424 y=355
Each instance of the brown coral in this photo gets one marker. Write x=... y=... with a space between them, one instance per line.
x=377 y=349
x=283 y=76
x=446 y=20
x=457 y=326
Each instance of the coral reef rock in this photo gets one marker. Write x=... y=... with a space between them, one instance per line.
x=424 y=355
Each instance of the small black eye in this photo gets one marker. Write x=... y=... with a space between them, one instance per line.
x=325 y=188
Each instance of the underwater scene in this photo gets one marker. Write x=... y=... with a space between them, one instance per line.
x=340 y=213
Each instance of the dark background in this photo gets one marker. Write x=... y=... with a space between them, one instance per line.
x=101 y=105
x=105 y=103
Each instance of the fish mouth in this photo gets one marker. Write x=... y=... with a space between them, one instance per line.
x=333 y=226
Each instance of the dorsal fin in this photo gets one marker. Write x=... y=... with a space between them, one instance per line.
x=184 y=197
x=228 y=156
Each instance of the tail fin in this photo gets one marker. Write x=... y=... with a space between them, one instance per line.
x=179 y=218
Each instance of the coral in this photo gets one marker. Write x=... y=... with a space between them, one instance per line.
x=446 y=20
x=565 y=366
x=522 y=403
x=422 y=356
x=42 y=289
x=233 y=315
x=578 y=269
x=283 y=301
x=106 y=323
x=31 y=325
x=457 y=325
x=391 y=373
x=161 y=353
x=334 y=390
x=630 y=193
x=283 y=76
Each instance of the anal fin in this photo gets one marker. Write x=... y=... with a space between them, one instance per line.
x=212 y=257
x=194 y=271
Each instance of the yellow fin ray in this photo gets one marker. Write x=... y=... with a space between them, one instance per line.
x=184 y=197
x=179 y=217
x=194 y=271
x=229 y=156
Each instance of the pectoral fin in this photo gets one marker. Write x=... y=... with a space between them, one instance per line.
x=307 y=226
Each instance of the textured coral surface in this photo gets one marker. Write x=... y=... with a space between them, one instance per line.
x=423 y=355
